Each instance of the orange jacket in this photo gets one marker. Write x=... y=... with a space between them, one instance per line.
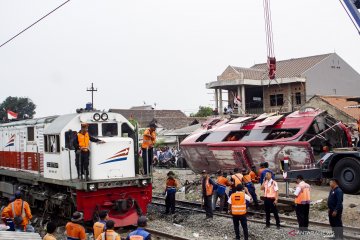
x=208 y=186
x=237 y=179
x=75 y=230
x=25 y=213
x=149 y=139
x=247 y=178
x=223 y=181
x=253 y=176
x=170 y=182
x=49 y=236
x=110 y=234
x=98 y=228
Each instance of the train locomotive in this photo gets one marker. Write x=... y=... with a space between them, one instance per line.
x=38 y=158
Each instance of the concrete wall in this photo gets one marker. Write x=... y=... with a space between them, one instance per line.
x=332 y=73
x=317 y=102
x=289 y=91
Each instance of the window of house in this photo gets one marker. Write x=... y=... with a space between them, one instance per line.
x=52 y=143
x=109 y=129
x=93 y=129
x=30 y=134
x=298 y=98
x=276 y=100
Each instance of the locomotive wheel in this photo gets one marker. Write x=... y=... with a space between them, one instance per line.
x=347 y=172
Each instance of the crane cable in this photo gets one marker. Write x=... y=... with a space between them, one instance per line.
x=347 y=12
x=268 y=29
x=34 y=23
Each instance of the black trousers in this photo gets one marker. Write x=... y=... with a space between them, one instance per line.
x=336 y=224
x=302 y=214
x=222 y=201
x=208 y=206
x=170 y=202
x=251 y=188
x=243 y=220
x=82 y=163
x=270 y=207
x=147 y=156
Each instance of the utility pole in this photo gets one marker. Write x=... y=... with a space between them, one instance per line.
x=92 y=90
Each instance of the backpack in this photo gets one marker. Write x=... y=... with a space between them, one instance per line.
x=18 y=219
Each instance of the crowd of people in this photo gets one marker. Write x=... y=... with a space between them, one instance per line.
x=238 y=190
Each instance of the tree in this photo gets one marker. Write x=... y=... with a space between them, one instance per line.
x=21 y=105
x=203 y=112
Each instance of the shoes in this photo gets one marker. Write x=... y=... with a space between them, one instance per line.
x=267 y=226
x=207 y=217
x=278 y=227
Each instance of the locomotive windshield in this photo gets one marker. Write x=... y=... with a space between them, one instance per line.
x=109 y=129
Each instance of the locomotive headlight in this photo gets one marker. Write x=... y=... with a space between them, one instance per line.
x=92 y=187
x=144 y=182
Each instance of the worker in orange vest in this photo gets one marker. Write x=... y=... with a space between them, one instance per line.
x=207 y=192
x=271 y=196
x=74 y=229
x=140 y=233
x=20 y=213
x=100 y=226
x=250 y=186
x=222 y=184
x=236 y=179
x=252 y=173
x=170 y=191
x=237 y=208
x=82 y=149
x=50 y=229
x=302 y=203
x=109 y=233
x=147 y=147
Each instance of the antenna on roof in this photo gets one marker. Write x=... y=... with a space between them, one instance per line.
x=92 y=90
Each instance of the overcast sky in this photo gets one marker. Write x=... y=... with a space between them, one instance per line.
x=157 y=51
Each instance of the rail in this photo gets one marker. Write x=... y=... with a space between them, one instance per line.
x=156 y=234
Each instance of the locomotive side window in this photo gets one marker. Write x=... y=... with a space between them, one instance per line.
x=30 y=134
x=126 y=131
x=109 y=129
x=69 y=139
x=281 y=133
x=235 y=136
x=93 y=129
x=52 y=143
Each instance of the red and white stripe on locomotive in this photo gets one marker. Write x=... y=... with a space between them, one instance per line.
x=36 y=156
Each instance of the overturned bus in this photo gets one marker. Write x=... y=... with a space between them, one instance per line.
x=302 y=136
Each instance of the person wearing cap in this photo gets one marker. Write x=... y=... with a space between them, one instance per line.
x=82 y=148
x=20 y=213
x=222 y=184
x=109 y=233
x=50 y=229
x=207 y=192
x=237 y=208
x=74 y=229
x=140 y=232
x=302 y=203
x=170 y=191
x=250 y=186
x=147 y=146
x=100 y=225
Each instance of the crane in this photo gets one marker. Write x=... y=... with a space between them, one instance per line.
x=351 y=7
x=271 y=60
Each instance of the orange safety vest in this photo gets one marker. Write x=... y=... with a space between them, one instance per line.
x=238 y=203
x=222 y=181
x=253 y=177
x=237 y=178
x=147 y=141
x=209 y=187
x=269 y=191
x=98 y=229
x=109 y=235
x=84 y=140
x=304 y=195
x=247 y=178
x=136 y=237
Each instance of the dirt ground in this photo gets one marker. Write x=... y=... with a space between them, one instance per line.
x=319 y=194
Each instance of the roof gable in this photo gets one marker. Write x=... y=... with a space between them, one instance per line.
x=345 y=104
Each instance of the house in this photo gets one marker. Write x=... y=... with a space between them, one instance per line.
x=297 y=80
x=344 y=108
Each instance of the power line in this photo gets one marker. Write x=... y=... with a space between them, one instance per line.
x=34 y=23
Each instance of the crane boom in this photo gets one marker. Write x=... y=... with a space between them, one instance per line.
x=351 y=7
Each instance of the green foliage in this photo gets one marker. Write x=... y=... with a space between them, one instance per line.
x=133 y=122
x=203 y=112
x=160 y=143
x=20 y=105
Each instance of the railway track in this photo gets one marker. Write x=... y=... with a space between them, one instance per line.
x=156 y=234
x=258 y=217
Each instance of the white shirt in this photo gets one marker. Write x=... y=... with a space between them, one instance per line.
x=247 y=198
x=275 y=185
x=298 y=189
